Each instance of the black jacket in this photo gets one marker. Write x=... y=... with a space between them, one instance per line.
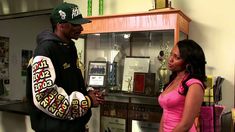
x=55 y=87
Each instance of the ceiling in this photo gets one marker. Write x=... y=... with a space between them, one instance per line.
x=13 y=8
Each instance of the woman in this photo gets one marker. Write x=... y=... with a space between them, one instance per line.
x=183 y=94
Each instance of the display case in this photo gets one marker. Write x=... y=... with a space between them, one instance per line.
x=130 y=45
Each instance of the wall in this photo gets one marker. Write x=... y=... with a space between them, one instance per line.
x=22 y=33
x=21 y=122
x=213 y=28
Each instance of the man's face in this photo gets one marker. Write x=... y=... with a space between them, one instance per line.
x=72 y=31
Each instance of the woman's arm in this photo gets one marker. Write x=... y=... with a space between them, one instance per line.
x=193 y=101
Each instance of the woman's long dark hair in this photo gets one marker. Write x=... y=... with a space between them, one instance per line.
x=194 y=58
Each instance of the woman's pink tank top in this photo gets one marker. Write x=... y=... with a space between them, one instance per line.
x=173 y=105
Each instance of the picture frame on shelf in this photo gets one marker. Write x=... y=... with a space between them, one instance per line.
x=144 y=83
x=133 y=64
x=150 y=85
x=139 y=83
x=97 y=73
x=159 y=4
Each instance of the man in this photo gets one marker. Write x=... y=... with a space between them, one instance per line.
x=59 y=101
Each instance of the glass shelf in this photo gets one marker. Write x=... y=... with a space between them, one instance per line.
x=115 y=47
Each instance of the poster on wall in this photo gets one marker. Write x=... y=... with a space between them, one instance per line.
x=4 y=58
x=25 y=55
x=4 y=64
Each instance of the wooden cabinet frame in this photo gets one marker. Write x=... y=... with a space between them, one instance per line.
x=161 y=19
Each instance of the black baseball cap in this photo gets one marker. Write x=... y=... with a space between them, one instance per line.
x=68 y=12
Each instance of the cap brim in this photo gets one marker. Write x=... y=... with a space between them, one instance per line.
x=80 y=21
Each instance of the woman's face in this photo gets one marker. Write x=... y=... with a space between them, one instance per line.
x=175 y=62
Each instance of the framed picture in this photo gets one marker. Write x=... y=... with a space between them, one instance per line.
x=144 y=83
x=161 y=4
x=149 y=87
x=97 y=73
x=131 y=65
x=139 y=82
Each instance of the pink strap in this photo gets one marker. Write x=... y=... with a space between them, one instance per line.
x=189 y=83
x=193 y=81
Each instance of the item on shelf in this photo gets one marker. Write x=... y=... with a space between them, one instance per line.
x=89 y=7
x=150 y=84
x=169 y=4
x=163 y=72
x=112 y=75
x=101 y=7
x=208 y=99
x=161 y=4
x=218 y=89
x=131 y=65
x=139 y=82
x=210 y=118
x=80 y=64
x=97 y=73
x=144 y=83
x=118 y=56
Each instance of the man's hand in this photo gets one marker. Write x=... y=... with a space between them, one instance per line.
x=97 y=97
